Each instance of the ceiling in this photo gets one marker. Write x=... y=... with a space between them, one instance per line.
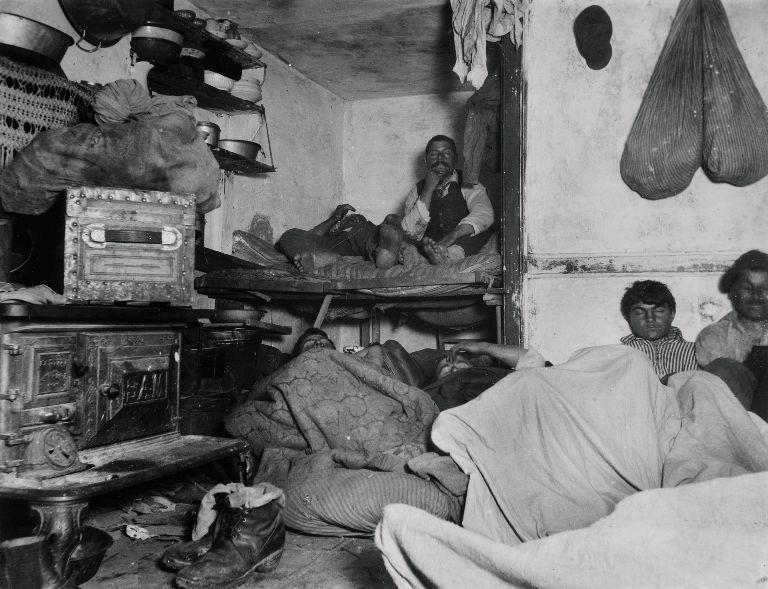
x=357 y=49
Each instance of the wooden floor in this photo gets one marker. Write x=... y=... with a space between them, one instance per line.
x=308 y=562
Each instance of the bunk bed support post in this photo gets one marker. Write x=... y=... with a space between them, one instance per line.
x=513 y=119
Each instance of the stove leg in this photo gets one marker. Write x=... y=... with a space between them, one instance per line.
x=60 y=522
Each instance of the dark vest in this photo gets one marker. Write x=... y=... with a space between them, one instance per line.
x=446 y=212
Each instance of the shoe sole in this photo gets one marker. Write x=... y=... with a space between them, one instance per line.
x=265 y=565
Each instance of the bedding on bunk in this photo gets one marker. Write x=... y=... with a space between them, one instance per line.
x=335 y=433
x=276 y=267
x=550 y=450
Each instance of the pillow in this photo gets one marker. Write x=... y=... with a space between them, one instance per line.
x=351 y=502
x=247 y=246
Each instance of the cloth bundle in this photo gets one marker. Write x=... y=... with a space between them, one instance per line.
x=141 y=142
x=701 y=107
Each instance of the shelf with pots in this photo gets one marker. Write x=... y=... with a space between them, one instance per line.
x=238 y=164
x=237 y=155
x=185 y=53
x=168 y=81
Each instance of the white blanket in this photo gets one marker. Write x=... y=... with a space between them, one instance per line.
x=555 y=449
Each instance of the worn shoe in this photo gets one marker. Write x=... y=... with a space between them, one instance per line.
x=251 y=541
x=183 y=554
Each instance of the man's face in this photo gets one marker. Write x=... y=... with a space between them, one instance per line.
x=441 y=159
x=649 y=321
x=446 y=367
x=316 y=341
x=749 y=295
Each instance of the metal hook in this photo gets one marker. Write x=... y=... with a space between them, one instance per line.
x=82 y=38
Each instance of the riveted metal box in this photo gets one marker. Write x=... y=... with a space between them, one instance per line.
x=129 y=245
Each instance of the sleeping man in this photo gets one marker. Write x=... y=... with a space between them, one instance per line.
x=444 y=220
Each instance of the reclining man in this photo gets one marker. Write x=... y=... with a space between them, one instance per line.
x=444 y=220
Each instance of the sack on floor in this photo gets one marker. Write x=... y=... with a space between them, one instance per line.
x=735 y=148
x=663 y=150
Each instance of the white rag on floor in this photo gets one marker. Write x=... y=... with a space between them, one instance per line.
x=549 y=450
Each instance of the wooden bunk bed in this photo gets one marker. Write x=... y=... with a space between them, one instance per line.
x=353 y=287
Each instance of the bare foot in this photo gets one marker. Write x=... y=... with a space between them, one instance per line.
x=308 y=262
x=390 y=240
x=435 y=253
x=409 y=256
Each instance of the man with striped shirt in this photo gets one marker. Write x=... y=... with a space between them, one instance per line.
x=649 y=308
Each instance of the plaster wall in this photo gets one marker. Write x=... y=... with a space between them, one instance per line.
x=587 y=235
x=384 y=141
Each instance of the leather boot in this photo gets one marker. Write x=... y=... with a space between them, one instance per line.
x=26 y=563
x=183 y=554
x=250 y=540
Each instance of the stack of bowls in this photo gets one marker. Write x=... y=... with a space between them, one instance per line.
x=157 y=44
x=250 y=91
x=218 y=81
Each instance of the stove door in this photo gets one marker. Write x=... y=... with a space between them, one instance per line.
x=131 y=387
x=41 y=376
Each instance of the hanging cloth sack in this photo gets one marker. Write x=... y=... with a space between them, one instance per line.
x=663 y=150
x=735 y=148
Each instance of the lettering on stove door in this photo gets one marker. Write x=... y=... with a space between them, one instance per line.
x=145 y=386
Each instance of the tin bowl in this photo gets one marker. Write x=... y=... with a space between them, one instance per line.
x=157 y=44
x=212 y=130
x=247 y=149
x=88 y=554
x=31 y=41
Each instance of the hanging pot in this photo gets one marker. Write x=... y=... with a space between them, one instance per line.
x=104 y=22
x=32 y=42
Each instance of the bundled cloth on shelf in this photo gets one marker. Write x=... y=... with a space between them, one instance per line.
x=140 y=142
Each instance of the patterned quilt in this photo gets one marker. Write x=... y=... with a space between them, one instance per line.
x=324 y=400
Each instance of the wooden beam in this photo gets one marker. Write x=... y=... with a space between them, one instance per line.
x=513 y=123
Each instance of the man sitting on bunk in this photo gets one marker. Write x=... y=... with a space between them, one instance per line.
x=444 y=221
x=445 y=218
x=649 y=308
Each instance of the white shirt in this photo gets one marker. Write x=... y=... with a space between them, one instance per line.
x=480 y=216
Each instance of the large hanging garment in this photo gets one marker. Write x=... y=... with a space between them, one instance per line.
x=663 y=150
x=735 y=148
